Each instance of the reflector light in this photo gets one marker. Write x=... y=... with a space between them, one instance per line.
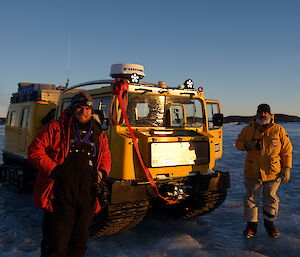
x=200 y=89
x=162 y=132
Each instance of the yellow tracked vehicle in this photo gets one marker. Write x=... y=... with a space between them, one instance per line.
x=179 y=138
x=30 y=108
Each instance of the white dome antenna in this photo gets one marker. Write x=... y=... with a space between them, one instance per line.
x=133 y=72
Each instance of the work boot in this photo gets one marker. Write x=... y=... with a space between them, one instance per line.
x=250 y=230
x=270 y=228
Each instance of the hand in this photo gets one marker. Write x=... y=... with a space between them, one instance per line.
x=102 y=192
x=251 y=144
x=285 y=175
x=100 y=176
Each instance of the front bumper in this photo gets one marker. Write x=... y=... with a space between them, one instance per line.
x=127 y=191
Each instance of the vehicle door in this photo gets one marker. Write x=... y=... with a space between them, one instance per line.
x=11 y=130
x=23 y=131
x=213 y=109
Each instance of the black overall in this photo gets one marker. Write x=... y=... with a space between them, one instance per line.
x=65 y=230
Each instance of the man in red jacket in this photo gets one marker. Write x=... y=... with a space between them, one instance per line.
x=72 y=157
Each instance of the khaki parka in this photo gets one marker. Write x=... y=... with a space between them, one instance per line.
x=275 y=153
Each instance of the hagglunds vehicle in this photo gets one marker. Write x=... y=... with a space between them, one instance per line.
x=164 y=143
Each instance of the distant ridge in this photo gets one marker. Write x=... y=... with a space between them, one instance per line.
x=240 y=119
x=246 y=119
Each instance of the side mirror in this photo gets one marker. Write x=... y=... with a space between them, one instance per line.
x=104 y=121
x=218 y=119
x=100 y=115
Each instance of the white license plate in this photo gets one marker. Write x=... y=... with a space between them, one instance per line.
x=172 y=154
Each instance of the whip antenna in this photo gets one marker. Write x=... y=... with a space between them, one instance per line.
x=68 y=64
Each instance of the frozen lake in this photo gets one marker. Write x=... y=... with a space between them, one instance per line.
x=216 y=234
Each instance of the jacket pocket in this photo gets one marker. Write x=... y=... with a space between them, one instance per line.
x=275 y=164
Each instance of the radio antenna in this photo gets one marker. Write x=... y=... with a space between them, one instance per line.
x=68 y=64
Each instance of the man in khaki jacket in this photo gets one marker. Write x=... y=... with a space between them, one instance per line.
x=267 y=164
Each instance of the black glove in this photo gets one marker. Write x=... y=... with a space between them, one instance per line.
x=252 y=144
x=102 y=192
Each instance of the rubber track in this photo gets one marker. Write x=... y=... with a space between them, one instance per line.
x=118 y=218
x=208 y=201
x=18 y=176
x=10 y=175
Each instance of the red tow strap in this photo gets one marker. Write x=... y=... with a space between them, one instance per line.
x=120 y=87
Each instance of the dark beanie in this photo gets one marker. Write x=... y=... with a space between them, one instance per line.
x=263 y=108
x=81 y=99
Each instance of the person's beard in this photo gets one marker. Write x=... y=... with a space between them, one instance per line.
x=263 y=120
x=82 y=117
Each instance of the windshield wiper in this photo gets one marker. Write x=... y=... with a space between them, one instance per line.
x=144 y=90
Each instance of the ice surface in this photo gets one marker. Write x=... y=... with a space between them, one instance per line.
x=217 y=234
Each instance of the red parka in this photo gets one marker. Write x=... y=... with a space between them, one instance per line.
x=49 y=149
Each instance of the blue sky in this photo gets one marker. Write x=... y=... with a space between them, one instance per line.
x=242 y=52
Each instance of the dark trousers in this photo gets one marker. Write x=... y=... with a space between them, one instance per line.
x=66 y=229
x=65 y=232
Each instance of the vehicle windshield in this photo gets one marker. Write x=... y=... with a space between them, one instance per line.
x=156 y=110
